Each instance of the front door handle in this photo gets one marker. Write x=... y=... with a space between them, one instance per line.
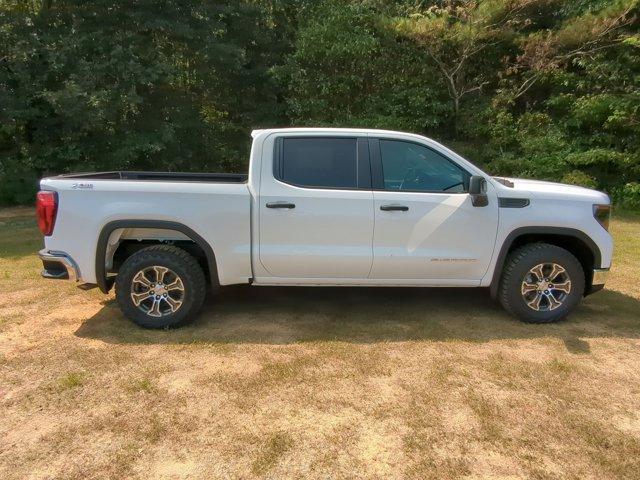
x=391 y=208
x=281 y=205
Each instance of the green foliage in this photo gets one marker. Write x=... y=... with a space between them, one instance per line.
x=577 y=177
x=169 y=85
x=538 y=88
x=628 y=195
x=346 y=70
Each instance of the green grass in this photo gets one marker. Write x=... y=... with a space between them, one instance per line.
x=71 y=380
x=316 y=383
x=18 y=236
x=273 y=449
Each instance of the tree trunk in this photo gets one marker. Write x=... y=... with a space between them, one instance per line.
x=456 y=112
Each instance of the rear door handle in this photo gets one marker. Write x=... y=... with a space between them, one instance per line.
x=281 y=205
x=392 y=208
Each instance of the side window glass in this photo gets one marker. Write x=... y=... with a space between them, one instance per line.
x=320 y=162
x=413 y=167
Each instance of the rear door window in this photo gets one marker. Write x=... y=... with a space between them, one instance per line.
x=319 y=162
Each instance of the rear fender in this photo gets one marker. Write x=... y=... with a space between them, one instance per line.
x=105 y=247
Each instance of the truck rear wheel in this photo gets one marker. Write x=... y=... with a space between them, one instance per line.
x=541 y=283
x=160 y=287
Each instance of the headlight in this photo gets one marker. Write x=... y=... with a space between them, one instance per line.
x=602 y=213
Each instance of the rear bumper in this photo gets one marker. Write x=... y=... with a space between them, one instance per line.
x=599 y=279
x=58 y=266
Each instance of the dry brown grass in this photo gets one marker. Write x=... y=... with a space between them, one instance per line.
x=316 y=383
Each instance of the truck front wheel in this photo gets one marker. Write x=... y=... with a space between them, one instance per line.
x=160 y=287
x=541 y=283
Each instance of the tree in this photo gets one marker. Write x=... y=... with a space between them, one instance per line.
x=539 y=88
x=579 y=37
x=171 y=85
x=455 y=34
x=347 y=70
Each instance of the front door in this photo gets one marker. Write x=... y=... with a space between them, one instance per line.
x=316 y=208
x=425 y=224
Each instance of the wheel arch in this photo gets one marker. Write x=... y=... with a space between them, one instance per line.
x=105 y=283
x=572 y=240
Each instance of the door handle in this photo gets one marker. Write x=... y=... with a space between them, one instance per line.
x=391 y=208
x=281 y=205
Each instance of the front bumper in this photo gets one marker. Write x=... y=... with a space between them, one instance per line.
x=58 y=266
x=599 y=278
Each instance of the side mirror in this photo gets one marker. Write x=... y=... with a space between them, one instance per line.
x=477 y=190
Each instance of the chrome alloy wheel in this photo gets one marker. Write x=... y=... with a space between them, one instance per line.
x=545 y=287
x=157 y=291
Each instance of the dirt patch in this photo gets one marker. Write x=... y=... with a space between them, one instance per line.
x=317 y=383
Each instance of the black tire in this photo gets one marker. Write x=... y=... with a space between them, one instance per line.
x=517 y=269
x=180 y=265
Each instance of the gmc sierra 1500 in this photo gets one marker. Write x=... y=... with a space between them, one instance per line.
x=324 y=206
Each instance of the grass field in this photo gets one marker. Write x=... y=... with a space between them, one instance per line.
x=316 y=383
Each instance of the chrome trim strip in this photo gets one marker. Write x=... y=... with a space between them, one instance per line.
x=63 y=259
x=600 y=276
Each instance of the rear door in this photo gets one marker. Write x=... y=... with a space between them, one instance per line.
x=316 y=207
x=426 y=227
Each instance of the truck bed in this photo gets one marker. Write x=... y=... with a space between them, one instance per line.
x=217 y=207
x=159 y=176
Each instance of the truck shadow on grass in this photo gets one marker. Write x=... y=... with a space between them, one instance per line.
x=286 y=315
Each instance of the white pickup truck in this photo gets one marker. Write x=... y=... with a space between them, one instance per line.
x=321 y=206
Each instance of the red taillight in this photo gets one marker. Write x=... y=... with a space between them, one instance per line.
x=46 y=209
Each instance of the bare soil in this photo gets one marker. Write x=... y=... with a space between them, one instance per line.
x=316 y=382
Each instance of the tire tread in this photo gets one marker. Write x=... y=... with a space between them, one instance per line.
x=514 y=259
x=195 y=277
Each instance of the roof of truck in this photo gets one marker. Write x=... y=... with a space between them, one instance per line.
x=257 y=132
